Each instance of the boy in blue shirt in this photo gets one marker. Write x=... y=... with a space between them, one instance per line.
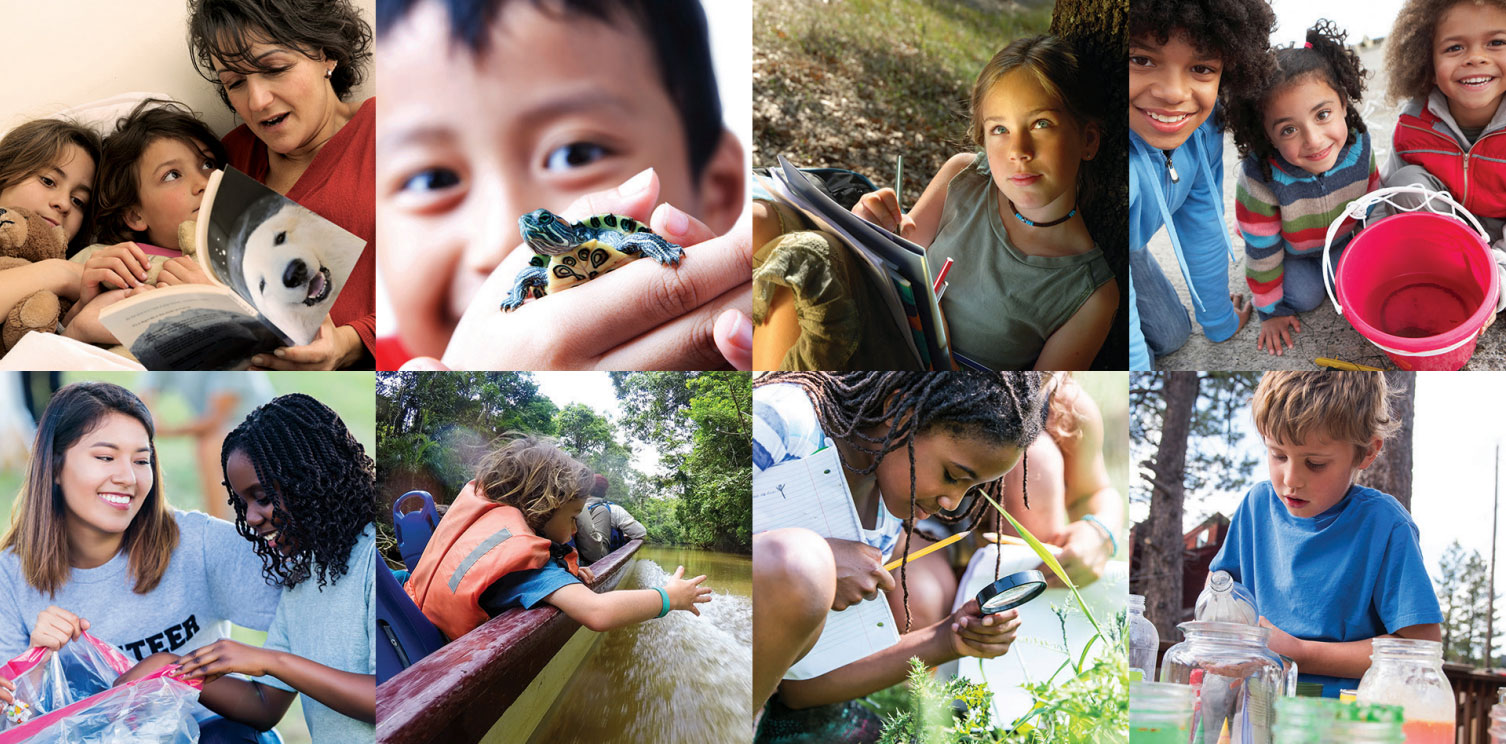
x=1331 y=564
x=1183 y=57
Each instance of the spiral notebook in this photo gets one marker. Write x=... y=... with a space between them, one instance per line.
x=812 y=493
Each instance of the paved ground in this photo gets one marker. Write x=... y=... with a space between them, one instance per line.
x=1324 y=332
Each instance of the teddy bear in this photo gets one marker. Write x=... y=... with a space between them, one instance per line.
x=27 y=238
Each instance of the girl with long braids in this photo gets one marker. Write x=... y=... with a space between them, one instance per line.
x=912 y=445
x=93 y=546
x=304 y=493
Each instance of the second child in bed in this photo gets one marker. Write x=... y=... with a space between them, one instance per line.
x=153 y=171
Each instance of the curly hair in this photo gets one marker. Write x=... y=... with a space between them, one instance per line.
x=534 y=475
x=1237 y=31
x=1006 y=409
x=323 y=487
x=1325 y=57
x=225 y=30
x=1409 y=48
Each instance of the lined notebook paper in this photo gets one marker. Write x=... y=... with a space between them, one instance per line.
x=812 y=493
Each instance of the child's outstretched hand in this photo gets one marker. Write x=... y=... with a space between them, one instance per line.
x=222 y=657
x=882 y=208
x=56 y=626
x=641 y=316
x=685 y=594
x=1276 y=331
x=6 y=688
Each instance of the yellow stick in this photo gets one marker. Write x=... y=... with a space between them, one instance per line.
x=891 y=565
x=1340 y=364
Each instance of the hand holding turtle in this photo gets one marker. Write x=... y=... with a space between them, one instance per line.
x=644 y=316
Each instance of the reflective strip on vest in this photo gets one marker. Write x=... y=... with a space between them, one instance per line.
x=475 y=555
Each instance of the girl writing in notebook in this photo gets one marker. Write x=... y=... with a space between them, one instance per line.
x=911 y=445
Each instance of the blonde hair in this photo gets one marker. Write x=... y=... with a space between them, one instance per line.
x=1350 y=407
x=534 y=475
x=38 y=526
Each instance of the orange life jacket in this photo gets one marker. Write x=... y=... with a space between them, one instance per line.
x=477 y=542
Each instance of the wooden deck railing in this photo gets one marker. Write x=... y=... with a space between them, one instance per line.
x=456 y=693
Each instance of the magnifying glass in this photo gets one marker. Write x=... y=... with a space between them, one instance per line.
x=1011 y=591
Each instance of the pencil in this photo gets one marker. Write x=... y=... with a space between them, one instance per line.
x=891 y=565
x=899 y=182
x=1340 y=364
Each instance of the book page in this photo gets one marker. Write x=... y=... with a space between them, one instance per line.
x=812 y=493
x=190 y=327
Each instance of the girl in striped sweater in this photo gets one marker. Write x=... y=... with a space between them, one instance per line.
x=1306 y=156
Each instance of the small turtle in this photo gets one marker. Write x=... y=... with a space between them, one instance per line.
x=568 y=253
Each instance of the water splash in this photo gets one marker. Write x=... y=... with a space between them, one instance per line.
x=676 y=678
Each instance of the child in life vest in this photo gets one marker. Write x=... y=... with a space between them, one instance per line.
x=501 y=544
x=1306 y=157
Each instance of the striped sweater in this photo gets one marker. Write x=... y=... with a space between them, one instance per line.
x=1291 y=212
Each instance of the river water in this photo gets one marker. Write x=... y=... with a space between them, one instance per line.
x=677 y=678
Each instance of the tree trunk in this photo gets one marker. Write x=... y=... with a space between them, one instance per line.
x=1161 y=559
x=1392 y=470
x=1096 y=31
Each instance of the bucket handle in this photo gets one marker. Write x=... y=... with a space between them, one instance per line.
x=1359 y=210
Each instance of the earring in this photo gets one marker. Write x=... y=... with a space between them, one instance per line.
x=329 y=73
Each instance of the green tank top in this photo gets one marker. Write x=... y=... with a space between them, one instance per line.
x=1000 y=304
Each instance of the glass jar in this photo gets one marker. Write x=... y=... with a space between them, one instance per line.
x=1144 y=641
x=1160 y=713
x=1237 y=678
x=1305 y=720
x=1225 y=600
x=1358 y=723
x=1409 y=673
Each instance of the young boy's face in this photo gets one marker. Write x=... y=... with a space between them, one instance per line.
x=1469 y=61
x=170 y=178
x=554 y=109
x=1172 y=89
x=1313 y=475
x=561 y=525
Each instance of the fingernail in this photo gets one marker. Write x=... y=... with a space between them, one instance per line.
x=259 y=360
x=675 y=221
x=636 y=183
x=736 y=328
x=280 y=353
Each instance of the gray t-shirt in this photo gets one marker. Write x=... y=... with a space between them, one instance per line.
x=331 y=626
x=212 y=577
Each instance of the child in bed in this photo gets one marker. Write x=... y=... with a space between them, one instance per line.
x=1184 y=57
x=1306 y=157
x=1030 y=288
x=1447 y=59
x=152 y=175
x=304 y=492
x=47 y=166
x=490 y=111
x=525 y=499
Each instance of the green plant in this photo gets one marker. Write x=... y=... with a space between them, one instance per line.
x=1091 y=706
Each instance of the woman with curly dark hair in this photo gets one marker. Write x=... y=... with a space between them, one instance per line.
x=1185 y=58
x=1306 y=157
x=288 y=68
x=304 y=493
x=1447 y=60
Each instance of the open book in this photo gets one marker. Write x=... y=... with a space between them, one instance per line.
x=276 y=266
x=812 y=493
x=896 y=266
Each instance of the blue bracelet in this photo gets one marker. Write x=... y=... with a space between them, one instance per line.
x=664 y=596
x=1114 y=544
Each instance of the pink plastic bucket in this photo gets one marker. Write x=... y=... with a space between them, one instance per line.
x=1420 y=286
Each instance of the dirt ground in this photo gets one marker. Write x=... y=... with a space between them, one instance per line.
x=1324 y=332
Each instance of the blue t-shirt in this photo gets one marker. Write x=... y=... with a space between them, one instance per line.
x=1351 y=573
x=529 y=587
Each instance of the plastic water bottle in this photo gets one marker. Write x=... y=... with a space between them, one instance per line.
x=1226 y=601
x=1144 y=641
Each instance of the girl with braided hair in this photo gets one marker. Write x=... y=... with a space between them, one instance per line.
x=912 y=445
x=304 y=493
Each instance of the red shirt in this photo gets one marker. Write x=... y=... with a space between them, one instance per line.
x=340 y=186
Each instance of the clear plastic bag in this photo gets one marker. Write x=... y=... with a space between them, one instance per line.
x=67 y=698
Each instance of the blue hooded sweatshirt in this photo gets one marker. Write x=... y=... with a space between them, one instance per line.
x=1192 y=209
